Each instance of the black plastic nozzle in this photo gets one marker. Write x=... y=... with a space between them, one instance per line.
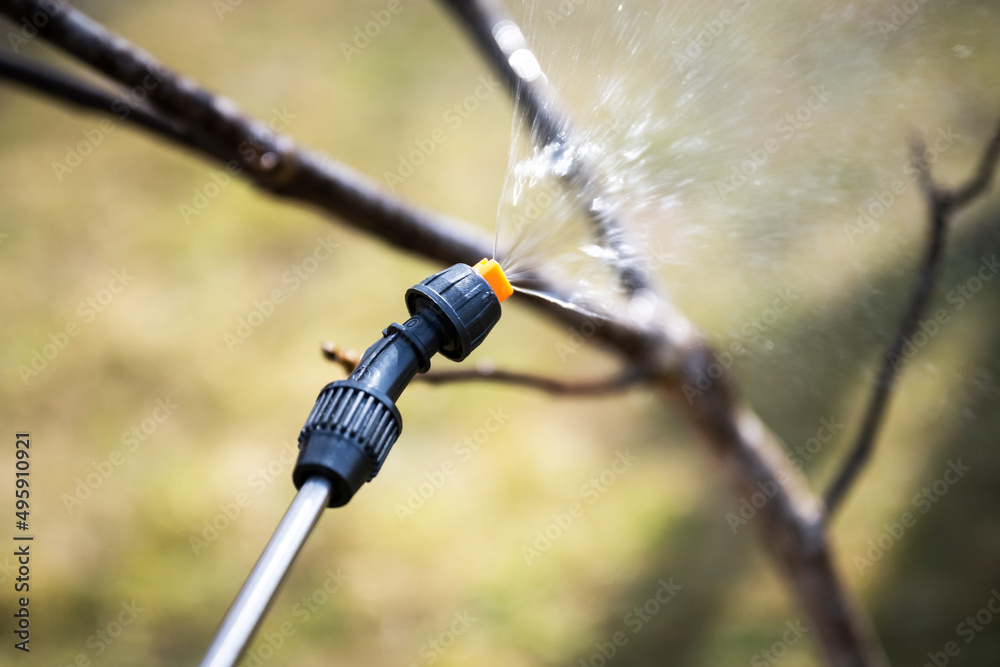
x=354 y=423
x=464 y=300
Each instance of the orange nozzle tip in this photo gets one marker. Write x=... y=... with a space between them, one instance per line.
x=494 y=275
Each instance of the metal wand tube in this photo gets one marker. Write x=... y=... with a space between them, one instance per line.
x=244 y=616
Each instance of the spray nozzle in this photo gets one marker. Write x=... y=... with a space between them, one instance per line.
x=494 y=275
x=354 y=423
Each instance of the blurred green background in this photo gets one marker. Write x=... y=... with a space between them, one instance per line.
x=400 y=579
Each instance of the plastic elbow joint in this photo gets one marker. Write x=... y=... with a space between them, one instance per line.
x=354 y=422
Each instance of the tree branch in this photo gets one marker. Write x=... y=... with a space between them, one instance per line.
x=618 y=383
x=942 y=204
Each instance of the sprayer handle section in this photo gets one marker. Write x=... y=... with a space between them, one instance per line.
x=355 y=422
x=346 y=438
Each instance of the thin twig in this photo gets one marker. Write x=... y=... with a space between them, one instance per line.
x=615 y=384
x=942 y=203
x=980 y=182
x=349 y=359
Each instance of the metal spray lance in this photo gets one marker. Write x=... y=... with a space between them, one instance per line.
x=354 y=424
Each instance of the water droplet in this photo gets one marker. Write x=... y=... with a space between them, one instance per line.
x=642 y=306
